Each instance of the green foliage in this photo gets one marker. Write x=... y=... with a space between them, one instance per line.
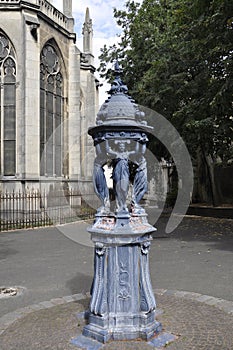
x=177 y=59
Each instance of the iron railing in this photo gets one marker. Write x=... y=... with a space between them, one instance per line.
x=29 y=209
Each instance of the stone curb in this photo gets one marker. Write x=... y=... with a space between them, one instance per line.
x=224 y=305
x=6 y=320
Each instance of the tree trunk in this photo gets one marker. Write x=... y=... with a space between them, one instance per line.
x=202 y=191
x=213 y=186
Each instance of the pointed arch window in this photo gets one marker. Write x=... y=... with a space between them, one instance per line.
x=7 y=107
x=51 y=112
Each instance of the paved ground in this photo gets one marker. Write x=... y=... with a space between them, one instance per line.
x=196 y=257
x=191 y=318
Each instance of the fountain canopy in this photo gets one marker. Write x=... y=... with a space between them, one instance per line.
x=119 y=111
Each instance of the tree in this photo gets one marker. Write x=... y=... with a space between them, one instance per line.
x=177 y=57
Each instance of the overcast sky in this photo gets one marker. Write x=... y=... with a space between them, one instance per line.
x=104 y=26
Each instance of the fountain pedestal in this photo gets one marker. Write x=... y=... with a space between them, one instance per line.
x=122 y=301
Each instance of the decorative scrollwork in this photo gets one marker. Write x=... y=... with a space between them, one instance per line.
x=100 y=249
x=145 y=247
x=124 y=294
x=125 y=291
x=98 y=304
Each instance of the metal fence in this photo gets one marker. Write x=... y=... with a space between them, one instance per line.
x=20 y=210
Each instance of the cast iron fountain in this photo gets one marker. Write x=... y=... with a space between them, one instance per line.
x=122 y=305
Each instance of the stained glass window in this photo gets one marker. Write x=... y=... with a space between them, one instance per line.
x=7 y=107
x=51 y=112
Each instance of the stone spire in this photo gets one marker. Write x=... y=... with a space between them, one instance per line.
x=87 y=33
x=67 y=8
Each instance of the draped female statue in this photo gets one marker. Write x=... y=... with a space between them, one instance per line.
x=124 y=162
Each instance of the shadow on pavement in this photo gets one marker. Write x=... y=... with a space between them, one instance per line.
x=218 y=232
x=80 y=283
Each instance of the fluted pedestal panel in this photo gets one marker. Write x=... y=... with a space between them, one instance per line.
x=122 y=303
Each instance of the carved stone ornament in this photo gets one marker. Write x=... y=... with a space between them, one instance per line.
x=84 y=58
x=4 y=47
x=7 y=56
x=9 y=66
x=50 y=60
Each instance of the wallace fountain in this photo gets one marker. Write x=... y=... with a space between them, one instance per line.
x=122 y=305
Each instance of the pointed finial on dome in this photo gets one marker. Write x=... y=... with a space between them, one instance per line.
x=117 y=69
x=117 y=85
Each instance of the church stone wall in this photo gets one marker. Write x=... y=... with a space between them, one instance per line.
x=29 y=28
x=12 y=24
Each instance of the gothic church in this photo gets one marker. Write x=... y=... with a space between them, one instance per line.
x=48 y=97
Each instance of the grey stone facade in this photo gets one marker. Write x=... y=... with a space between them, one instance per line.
x=49 y=97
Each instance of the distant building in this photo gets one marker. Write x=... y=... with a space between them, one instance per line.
x=48 y=97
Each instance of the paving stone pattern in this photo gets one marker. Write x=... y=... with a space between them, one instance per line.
x=199 y=326
x=196 y=324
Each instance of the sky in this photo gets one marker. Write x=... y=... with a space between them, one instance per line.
x=105 y=29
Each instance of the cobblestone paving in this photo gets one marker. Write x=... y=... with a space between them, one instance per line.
x=197 y=326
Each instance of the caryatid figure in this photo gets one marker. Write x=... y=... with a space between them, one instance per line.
x=121 y=172
x=99 y=179
x=140 y=176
